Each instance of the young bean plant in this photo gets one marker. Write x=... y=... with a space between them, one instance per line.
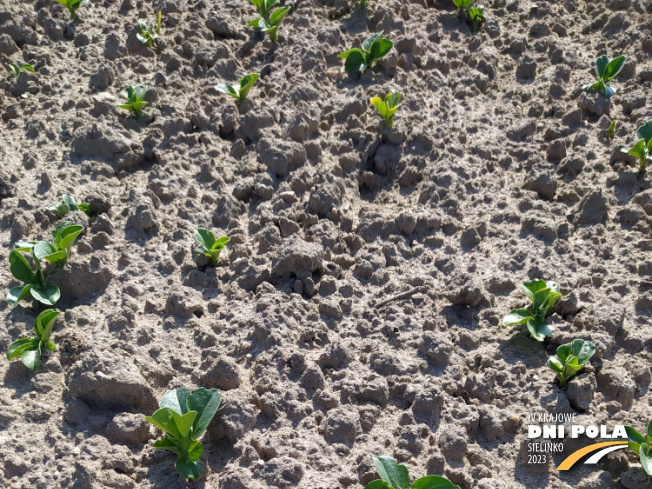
x=396 y=476
x=605 y=71
x=30 y=350
x=476 y=14
x=387 y=107
x=58 y=250
x=72 y=6
x=373 y=48
x=240 y=90
x=208 y=245
x=642 y=445
x=35 y=283
x=543 y=296
x=17 y=69
x=183 y=418
x=68 y=204
x=134 y=96
x=267 y=22
x=149 y=31
x=643 y=147
x=611 y=130
x=570 y=359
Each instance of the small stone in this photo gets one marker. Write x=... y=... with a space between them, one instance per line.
x=128 y=428
x=635 y=478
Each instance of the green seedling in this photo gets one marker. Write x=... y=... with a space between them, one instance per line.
x=30 y=349
x=570 y=359
x=134 y=96
x=387 y=107
x=605 y=71
x=208 y=245
x=363 y=3
x=67 y=204
x=612 y=130
x=270 y=25
x=183 y=418
x=58 y=251
x=476 y=14
x=35 y=284
x=149 y=30
x=240 y=90
x=543 y=296
x=373 y=48
x=72 y=6
x=396 y=476
x=641 y=445
x=643 y=147
x=462 y=5
x=17 y=69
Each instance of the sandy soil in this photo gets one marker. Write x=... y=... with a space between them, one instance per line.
x=496 y=171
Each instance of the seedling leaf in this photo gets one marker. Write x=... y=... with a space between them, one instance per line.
x=394 y=474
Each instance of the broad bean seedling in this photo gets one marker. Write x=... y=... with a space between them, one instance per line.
x=30 y=350
x=570 y=359
x=184 y=417
x=543 y=296
x=373 y=48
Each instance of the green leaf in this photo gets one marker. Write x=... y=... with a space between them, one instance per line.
x=583 y=350
x=68 y=235
x=19 y=267
x=649 y=429
x=638 y=150
x=164 y=419
x=379 y=49
x=44 y=323
x=355 y=60
x=245 y=85
x=380 y=105
x=176 y=400
x=377 y=484
x=394 y=474
x=532 y=287
x=634 y=436
x=277 y=16
x=540 y=299
x=17 y=294
x=190 y=470
x=184 y=422
x=517 y=316
x=228 y=89
x=18 y=347
x=43 y=249
x=366 y=45
x=166 y=444
x=46 y=295
x=31 y=358
x=433 y=482
x=206 y=403
x=195 y=451
x=613 y=68
x=556 y=365
x=645 y=132
x=220 y=243
x=205 y=238
x=646 y=459
x=539 y=329
x=601 y=66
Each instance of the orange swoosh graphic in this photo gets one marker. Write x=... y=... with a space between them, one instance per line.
x=575 y=456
